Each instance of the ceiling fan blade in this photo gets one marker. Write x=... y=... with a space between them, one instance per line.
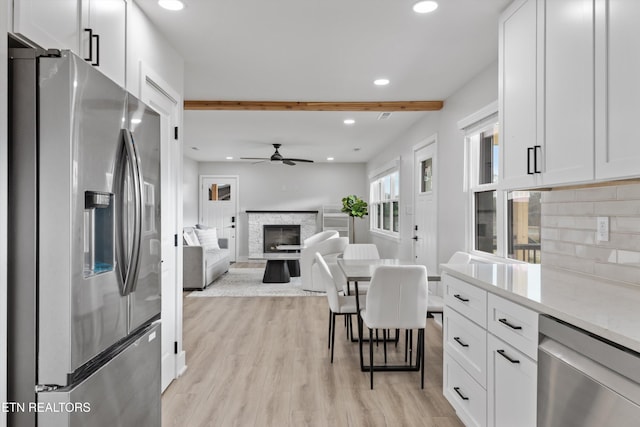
x=300 y=160
x=288 y=162
x=254 y=158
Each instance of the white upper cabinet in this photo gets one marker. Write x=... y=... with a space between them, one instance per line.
x=518 y=86
x=617 y=89
x=569 y=91
x=93 y=29
x=547 y=92
x=49 y=24
x=102 y=38
x=568 y=149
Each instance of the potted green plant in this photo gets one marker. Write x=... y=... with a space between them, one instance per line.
x=355 y=207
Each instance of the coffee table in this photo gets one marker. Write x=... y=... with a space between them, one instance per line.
x=277 y=268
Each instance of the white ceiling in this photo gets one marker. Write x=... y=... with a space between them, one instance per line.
x=319 y=50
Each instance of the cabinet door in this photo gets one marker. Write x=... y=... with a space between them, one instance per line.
x=568 y=91
x=51 y=24
x=618 y=83
x=511 y=386
x=106 y=49
x=518 y=93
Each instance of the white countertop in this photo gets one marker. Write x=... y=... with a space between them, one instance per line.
x=606 y=308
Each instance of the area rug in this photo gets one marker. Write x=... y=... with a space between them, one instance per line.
x=247 y=282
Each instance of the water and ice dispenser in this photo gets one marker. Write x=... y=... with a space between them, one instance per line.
x=99 y=223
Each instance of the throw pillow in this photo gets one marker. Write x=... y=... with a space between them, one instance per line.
x=208 y=238
x=190 y=238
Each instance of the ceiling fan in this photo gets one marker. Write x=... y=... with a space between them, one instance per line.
x=278 y=158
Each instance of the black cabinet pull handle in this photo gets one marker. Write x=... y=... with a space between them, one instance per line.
x=506 y=322
x=535 y=158
x=462 y=396
x=503 y=354
x=90 y=31
x=461 y=298
x=529 y=150
x=459 y=341
x=97 y=62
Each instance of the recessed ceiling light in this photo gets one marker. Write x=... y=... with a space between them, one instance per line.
x=229 y=158
x=381 y=82
x=330 y=158
x=349 y=121
x=425 y=6
x=171 y=4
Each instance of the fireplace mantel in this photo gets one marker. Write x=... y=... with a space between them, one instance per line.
x=283 y=211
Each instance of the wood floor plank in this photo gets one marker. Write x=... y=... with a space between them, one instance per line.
x=265 y=362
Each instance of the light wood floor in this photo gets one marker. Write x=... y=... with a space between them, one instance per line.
x=265 y=362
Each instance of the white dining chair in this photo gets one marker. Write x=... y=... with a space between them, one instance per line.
x=397 y=299
x=330 y=249
x=339 y=305
x=359 y=251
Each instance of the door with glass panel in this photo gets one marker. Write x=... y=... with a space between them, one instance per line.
x=425 y=228
x=219 y=207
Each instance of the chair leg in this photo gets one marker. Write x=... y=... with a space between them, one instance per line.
x=411 y=347
x=329 y=337
x=397 y=337
x=333 y=335
x=422 y=351
x=377 y=339
x=371 y=356
x=384 y=344
x=406 y=342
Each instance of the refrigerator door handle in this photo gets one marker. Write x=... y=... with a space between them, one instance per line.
x=128 y=263
x=138 y=180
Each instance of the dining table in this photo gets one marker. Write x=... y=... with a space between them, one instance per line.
x=361 y=270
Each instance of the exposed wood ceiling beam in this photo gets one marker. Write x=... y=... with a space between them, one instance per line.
x=385 y=106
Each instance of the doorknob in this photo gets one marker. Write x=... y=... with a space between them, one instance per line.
x=415 y=238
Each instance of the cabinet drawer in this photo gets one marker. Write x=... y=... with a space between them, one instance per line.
x=514 y=324
x=467 y=397
x=466 y=299
x=466 y=342
x=511 y=386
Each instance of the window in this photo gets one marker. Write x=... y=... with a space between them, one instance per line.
x=484 y=154
x=502 y=223
x=385 y=203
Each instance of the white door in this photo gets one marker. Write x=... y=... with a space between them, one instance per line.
x=167 y=106
x=219 y=207
x=425 y=229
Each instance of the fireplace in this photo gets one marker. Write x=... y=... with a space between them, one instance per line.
x=280 y=234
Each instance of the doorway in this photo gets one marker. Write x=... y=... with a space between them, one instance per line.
x=425 y=229
x=162 y=98
x=219 y=207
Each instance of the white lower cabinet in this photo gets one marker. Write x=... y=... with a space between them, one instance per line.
x=490 y=353
x=467 y=396
x=511 y=386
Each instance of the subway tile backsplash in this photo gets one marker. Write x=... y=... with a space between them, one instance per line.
x=569 y=238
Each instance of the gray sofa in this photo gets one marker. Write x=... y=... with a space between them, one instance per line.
x=200 y=266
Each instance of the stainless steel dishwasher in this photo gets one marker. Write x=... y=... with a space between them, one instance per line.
x=585 y=380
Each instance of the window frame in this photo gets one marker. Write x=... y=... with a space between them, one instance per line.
x=481 y=121
x=377 y=199
x=472 y=161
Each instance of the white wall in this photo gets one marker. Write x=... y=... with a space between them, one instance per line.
x=477 y=93
x=4 y=22
x=190 y=182
x=302 y=187
x=145 y=43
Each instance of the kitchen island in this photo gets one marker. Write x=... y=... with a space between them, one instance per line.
x=491 y=333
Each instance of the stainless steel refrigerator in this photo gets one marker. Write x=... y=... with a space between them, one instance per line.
x=84 y=253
